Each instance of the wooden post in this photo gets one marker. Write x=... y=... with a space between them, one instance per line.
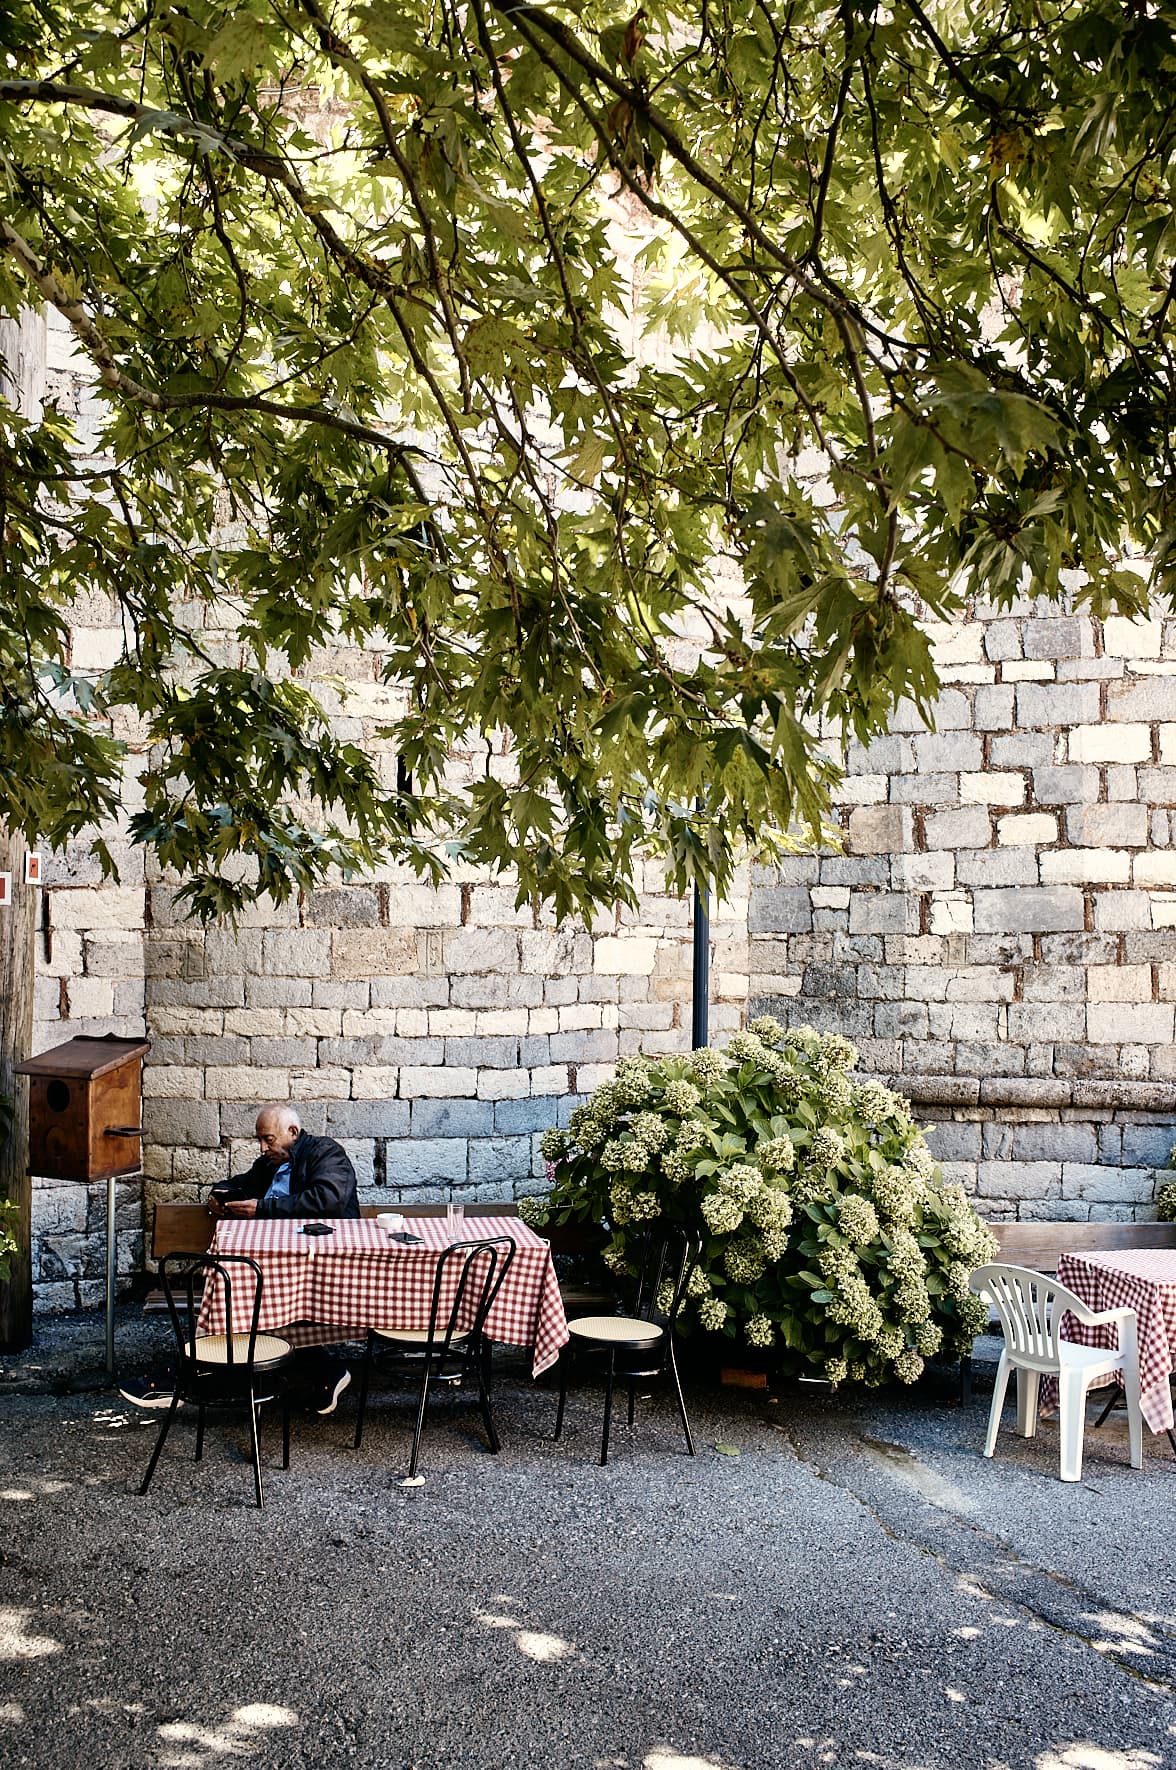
x=22 y=381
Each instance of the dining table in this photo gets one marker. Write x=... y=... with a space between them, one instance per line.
x=319 y=1288
x=1143 y=1279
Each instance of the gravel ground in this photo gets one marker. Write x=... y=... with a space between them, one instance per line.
x=856 y=1586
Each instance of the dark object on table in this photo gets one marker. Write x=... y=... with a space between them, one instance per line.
x=641 y=1344
x=403 y=1235
x=317 y=1229
x=222 y=1369
x=472 y=1273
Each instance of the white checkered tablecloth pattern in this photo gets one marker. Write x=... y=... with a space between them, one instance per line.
x=356 y=1278
x=1143 y=1280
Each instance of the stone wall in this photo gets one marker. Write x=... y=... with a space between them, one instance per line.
x=999 y=934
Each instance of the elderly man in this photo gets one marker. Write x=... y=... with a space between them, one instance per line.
x=296 y=1175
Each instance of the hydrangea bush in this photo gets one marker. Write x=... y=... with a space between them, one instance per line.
x=828 y=1234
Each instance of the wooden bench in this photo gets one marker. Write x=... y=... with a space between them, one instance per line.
x=1041 y=1245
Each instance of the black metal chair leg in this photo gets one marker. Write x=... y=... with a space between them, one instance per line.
x=1171 y=1439
x=164 y=1429
x=420 y=1422
x=673 y=1364
x=199 y=1431
x=286 y=1431
x=564 y=1359
x=1116 y=1392
x=364 y=1375
x=255 y=1446
x=608 y=1394
x=487 y=1417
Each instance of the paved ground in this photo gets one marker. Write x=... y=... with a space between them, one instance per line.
x=856 y=1587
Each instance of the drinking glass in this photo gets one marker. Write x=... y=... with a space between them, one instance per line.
x=455 y=1221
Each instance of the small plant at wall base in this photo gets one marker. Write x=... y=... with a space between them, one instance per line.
x=828 y=1234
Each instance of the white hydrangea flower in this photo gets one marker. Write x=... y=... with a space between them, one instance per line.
x=827 y=1148
x=908 y=1366
x=759 y=1331
x=775 y=1245
x=744 y=1047
x=681 y=1097
x=650 y=1130
x=928 y=1338
x=770 y=1209
x=644 y=1207
x=894 y=1195
x=911 y=1301
x=744 y=1261
x=741 y=1181
x=615 y=1156
x=553 y=1145
x=767 y=1029
x=534 y=1212
x=712 y=1313
x=706 y=1063
x=698 y=1284
x=722 y=1213
x=836 y=1370
x=836 y=1052
x=777 y=1154
x=890 y=1342
x=858 y=1220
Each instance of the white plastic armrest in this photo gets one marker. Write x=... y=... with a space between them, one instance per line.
x=1105 y=1318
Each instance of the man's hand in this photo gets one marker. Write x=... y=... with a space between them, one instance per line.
x=240 y=1207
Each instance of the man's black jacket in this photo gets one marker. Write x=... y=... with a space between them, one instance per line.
x=322 y=1182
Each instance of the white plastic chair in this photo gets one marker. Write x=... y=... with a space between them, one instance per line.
x=1031 y=1308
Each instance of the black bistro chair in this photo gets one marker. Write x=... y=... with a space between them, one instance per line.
x=454 y=1345
x=641 y=1345
x=216 y=1370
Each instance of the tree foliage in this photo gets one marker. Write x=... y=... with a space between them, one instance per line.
x=372 y=372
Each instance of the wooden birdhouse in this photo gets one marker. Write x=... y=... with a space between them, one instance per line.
x=85 y=1108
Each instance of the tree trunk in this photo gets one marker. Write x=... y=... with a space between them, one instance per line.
x=17 y=933
x=22 y=379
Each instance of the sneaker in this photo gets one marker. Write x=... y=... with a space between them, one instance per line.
x=146 y=1392
x=331 y=1393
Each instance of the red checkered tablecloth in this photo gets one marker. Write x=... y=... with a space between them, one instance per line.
x=1143 y=1280
x=357 y=1278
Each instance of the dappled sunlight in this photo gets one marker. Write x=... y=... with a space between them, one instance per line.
x=1084 y=1756
x=1112 y=1632
x=532 y=1643
x=35 y=1488
x=11 y=1714
x=17 y=1643
x=189 y=1745
x=664 y=1757
x=16 y=1493
x=543 y=1649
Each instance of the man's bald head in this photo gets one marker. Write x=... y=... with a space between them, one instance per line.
x=277 y=1129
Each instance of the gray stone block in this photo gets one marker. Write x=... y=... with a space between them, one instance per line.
x=385 y=1051
x=1107 y=826
x=1071 y=785
x=954 y=752
x=414 y=1164
x=1022 y=749
x=452 y=1118
x=883 y=912
x=278 y=992
x=925 y=789
x=989 y=1059
x=499 y=1163
x=1040 y=1143
x=1079 y=949
x=1057 y=704
x=1028 y=1021
x=175 y=1122
x=516 y=1117
x=854 y=870
x=472 y=950
x=535 y=1051
x=297 y=952
x=969 y=827
x=829 y=980
x=996 y=866
x=1063 y=636
x=955 y=1142
x=782 y=910
x=276 y=1052
x=355 y=906
x=366 y=1118
x=993 y=707
x=1153 y=698
x=491 y=1052
x=1002 y=641
x=177 y=992
x=1148 y=1146
x=490 y=991
x=591 y=1046
x=1029 y=910
x=884 y=755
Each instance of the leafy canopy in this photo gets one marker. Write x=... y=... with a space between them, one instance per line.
x=373 y=373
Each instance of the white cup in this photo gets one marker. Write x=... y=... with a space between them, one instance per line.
x=455 y=1221
x=390 y=1221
